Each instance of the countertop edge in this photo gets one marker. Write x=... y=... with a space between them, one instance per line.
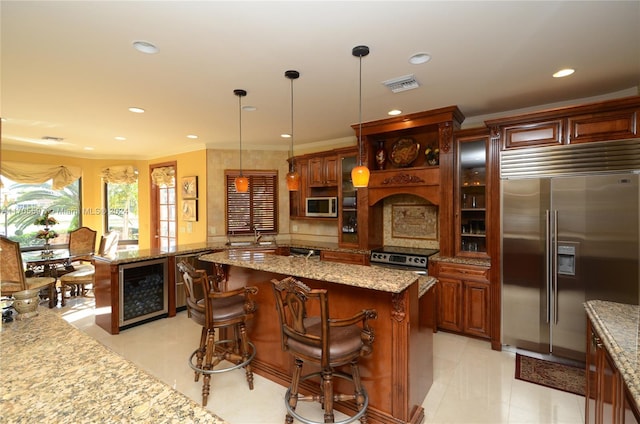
x=628 y=369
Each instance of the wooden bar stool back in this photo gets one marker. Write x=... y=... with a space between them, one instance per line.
x=228 y=311
x=325 y=342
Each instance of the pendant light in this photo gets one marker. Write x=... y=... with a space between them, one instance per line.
x=293 y=178
x=360 y=174
x=241 y=182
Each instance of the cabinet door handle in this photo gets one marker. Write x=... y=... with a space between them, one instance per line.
x=597 y=342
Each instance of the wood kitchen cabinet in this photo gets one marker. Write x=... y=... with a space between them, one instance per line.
x=297 y=198
x=449 y=304
x=348 y=201
x=323 y=171
x=463 y=299
x=473 y=194
x=601 y=121
x=607 y=400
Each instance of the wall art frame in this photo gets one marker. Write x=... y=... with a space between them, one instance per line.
x=189 y=210
x=189 y=187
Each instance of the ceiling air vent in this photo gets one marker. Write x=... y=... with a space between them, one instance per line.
x=52 y=138
x=407 y=82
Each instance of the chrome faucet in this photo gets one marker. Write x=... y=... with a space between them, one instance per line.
x=256 y=234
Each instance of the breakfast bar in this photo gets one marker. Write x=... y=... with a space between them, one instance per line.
x=399 y=372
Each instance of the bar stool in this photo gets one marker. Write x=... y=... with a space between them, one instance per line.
x=215 y=309
x=325 y=342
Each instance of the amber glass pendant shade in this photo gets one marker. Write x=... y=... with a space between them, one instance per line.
x=242 y=184
x=293 y=181
x=360 y=176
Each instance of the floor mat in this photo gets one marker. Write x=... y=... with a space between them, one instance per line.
x=568 y=378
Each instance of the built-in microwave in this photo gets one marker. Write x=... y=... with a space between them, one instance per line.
x=322 y=207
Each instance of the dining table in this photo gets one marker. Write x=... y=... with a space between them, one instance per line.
x=50 y=265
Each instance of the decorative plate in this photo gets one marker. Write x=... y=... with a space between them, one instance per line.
x=404 y=151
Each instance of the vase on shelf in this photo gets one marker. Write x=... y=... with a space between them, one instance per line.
x=381 y=155
x=432 y=156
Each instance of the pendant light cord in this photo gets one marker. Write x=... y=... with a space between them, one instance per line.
x=292 y=120
x=360 y=117
x=240 y=124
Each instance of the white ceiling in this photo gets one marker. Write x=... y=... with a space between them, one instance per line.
x=69 y=69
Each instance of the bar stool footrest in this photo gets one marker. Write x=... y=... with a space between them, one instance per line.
x=221 y=370
x=348 y=420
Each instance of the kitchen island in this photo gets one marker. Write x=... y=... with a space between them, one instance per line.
x=613 y=356
x=94 y=385
x=136 y=286
x=399 y=372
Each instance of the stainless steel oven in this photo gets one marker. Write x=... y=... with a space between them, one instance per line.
x=405 y=258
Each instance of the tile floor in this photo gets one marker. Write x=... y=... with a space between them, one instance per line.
x=472 y=383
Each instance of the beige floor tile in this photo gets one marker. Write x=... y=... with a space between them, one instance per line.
x=472 y=383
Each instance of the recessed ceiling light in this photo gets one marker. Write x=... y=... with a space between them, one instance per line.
x=564 y=73
x=419 y=58
x=145 y=47
x=120 y=138
x=285 y=135
x=394 y=112
x=192 y=136
x=249 y=108
x=89 y=148
x=136 y=110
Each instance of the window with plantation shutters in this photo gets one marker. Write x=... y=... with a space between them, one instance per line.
x=258 y=207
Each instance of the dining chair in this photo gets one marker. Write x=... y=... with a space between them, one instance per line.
x=327 y=343
x=82 y=245
x=84 y=274
x=13 y=278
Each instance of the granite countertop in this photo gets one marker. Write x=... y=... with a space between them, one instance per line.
x=368 y=277
x=137 y=255
x=619 y=327
x=425 y=283
x=460 y=260
x=94 y=385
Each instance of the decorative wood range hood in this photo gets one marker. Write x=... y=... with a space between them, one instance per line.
x=433 y=128
x=423 y=182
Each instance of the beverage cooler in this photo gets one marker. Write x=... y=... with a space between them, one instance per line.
x=143 y=292
x=181 y=302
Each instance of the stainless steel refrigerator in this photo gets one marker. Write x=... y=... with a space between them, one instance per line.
x=566 y=240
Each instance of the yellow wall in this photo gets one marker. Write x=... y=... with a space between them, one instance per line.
x=192 y=163
x=187 y=165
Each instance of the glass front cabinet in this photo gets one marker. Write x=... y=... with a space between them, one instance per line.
x=472 y=196
x=347 y=197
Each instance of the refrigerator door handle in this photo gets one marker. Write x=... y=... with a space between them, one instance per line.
x=554 y=267
x=548 y=266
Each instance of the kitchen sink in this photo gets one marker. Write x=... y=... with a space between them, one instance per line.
x=250 y=243
x=240 y=243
